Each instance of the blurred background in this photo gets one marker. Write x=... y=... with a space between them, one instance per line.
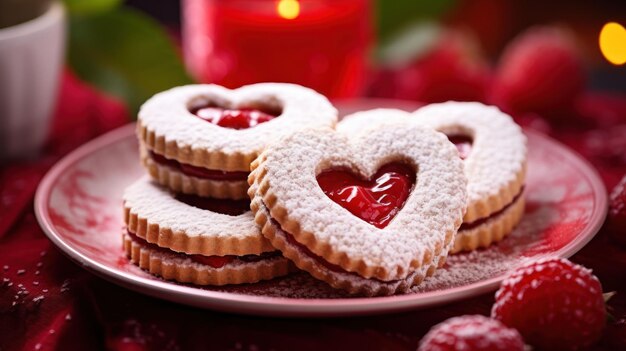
x=537 y=60
x=425 y=50
x=556 y=66
x=543 y=62
x=402 y=33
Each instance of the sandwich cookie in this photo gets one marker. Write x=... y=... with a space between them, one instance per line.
x=373 y=215
x=200 y=139
x=494 y=152
x=196 y=240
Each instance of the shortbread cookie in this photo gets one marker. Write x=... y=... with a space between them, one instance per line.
x=494 y=151
x=381 y=236
x=196 y=240
x=193 y=180
x=486 y=231
x=200 y=139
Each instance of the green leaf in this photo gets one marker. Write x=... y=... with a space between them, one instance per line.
x=395 y=15
x=125 y=53
x=86 y=7
x=409 y=43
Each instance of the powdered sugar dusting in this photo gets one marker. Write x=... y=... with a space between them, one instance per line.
x=551 y=195
x=498 y=153
x=167 y=114
x=371 y=286
x=459 y=270
x=498 y=149
x=434 y=208
x=159 y=206
x=563 y=206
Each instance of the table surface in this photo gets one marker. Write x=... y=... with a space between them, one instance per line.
x=47 y=302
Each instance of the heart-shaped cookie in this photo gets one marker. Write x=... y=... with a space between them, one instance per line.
x=493 y=149
x=355 y=252
x=196 y=240
x=200 y=139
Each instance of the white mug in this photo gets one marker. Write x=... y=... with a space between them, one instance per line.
x=31 y=57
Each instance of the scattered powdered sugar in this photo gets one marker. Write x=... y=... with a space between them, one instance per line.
x=459 y=270
x=298 y=285
x=522 y=245
x=470 y=268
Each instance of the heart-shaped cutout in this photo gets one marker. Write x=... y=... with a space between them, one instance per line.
x=377 y=200
x=403 y=197
x=238 y=124
x=463 y=144
x=235 y=118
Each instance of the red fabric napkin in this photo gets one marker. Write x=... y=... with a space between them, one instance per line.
x=49 y=303
x=41 y=294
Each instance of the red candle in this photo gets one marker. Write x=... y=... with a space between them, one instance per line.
x=322 y=44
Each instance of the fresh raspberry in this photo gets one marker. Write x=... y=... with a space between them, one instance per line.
x=553 y=303
x=540 y=71
x=617 y=213
x=452 y=69
x=470 y=333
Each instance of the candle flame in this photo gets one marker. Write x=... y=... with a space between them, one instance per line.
x=288 y=9
x=613 y=43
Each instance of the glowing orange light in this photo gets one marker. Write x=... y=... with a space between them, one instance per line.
x=613 y=43
x=288 y=9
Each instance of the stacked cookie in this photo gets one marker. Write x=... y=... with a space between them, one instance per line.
x=190 y=220
x=373 y=206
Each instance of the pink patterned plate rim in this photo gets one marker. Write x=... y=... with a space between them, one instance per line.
x=78 y=205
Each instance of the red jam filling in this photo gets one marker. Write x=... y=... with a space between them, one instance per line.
x=223 y=206
x=242 y=118
x=319 y=259
x=463 y=144
x=376 y=200
x=213 y=261
x=476 y=223
x=200 y=172
x=306 y=251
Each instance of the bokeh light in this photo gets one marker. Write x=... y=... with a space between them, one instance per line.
x=613 y=43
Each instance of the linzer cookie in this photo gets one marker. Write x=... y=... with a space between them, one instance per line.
x=200 y=139
x=196 y=240
x=373 y=214
x=494 y=151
